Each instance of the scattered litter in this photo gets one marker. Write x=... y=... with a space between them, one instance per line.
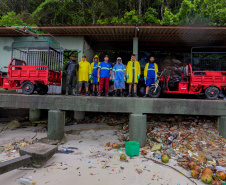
x=65 y=151
x=144 y=152
x=139 y=171
x=24 y=181
x=104 y=164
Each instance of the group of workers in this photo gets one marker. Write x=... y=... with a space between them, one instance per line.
x=100 y=73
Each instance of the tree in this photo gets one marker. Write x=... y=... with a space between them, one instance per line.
x=131 y=18
x=167 y=12
x=150 y=17
x=11 y=19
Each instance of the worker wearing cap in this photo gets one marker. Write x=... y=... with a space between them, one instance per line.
x=119 y=76
x=84 y=75
x=104 y=75
x=150 y=72
x=133 y=74
x=94 y=70
x=71 y=67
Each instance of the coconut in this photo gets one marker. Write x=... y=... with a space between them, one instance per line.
x=197 y=168
x=165 y=158
x=144 y=152
x=115 y=145
x=207 y=170
x=216 y=182
x=194 y=173
x=123 y=157
x=221 y=175
x=207 y=178
x=191 y=164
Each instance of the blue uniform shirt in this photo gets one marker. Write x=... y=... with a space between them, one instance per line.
x=151 y=70
x=119 y=70
x=105 y=69
x=151 y=74
x=95 y=69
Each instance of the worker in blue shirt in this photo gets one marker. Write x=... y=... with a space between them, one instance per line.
x=150 y=72
x=104 y=75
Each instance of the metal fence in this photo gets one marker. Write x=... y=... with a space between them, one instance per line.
x=209 y=58
x=38 y=53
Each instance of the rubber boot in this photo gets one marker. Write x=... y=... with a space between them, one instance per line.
x=67 y=89
x=115 y=94
x=73 y=92
x=146 y=95
x=135 y=95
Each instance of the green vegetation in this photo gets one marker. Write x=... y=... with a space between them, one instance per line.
x=71 y=12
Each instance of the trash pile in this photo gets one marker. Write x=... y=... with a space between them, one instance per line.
x=185 y=139
x=15 y=146
x=108 y=118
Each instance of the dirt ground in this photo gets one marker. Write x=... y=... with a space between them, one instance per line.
x=85 y=165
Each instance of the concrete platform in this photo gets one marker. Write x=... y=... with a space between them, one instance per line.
x=39 y=152
x=137 y=107
x=112 y=104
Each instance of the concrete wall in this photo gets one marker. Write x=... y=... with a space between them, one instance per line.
x=71 y=43
x=88 y=51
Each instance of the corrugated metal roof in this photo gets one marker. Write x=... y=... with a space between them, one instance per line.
x=159 y=36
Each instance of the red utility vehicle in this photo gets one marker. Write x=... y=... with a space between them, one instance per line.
x=206 y=75
x=28 y=78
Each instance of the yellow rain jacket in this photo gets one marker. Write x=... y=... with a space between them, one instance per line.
x=133 y=71
x=146 y=70
x=84 y=71
x=95 y=68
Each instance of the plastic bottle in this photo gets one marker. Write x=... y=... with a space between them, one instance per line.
x=24 y=181
x=65 y=150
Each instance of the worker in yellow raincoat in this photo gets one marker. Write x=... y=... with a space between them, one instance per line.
x=95 y=79
x=133 y=74
x=84 y=75
x=150 y=72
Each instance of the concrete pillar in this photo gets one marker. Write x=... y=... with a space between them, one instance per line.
x=34 y=114
x=135 y=46
x=56 y=123
x=138 y=128
x=221 y=126
x=79 y=115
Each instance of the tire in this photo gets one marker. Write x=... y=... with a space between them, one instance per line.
x=28 y=88
x=151 y=92
x=42 y=89
x=212 y=93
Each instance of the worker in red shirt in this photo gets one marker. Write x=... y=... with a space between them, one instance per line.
x=104 y=75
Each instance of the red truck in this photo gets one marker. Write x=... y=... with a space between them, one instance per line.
x=205 y=74
x=29 y=78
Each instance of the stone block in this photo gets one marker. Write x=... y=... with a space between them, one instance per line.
x=39 y=152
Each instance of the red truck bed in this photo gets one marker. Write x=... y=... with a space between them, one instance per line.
x=33 y=78
x=35 y=74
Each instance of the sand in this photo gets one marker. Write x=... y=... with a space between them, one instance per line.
x=84 y=165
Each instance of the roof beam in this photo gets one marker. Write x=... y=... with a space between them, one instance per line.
x=143 y=40
x=132 y=27
x=124 y=34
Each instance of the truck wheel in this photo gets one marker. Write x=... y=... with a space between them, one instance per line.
x=153 y=94
x=28 y=88
x=42 y=89
x=212 y=93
